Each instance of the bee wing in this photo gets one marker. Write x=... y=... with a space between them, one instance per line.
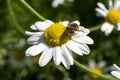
x=69 y=18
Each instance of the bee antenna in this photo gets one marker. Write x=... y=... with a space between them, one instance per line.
x=69 y=18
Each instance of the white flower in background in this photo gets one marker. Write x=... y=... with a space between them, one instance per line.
x=51 y=40
x=93 y=64
x=20 y=43
x=56 y=3
x=96 y=67
x=111 y=15
x=117 y=72
x=17 y=59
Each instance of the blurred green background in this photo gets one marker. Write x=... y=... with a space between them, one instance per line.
x=16 y=19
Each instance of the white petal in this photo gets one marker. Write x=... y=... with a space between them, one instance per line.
x=84 y=48
x=36 y=49
x=49 y=22
x=65 y=23
x=107 y=28
x=116 y=67
x=110 y=3
x=117 y=4
x=41 y=25
x=84 y=39
x=118 y=28
x=67 y=55
x=116 y=74
x=33 y=38
x=99 y=15
x=92 y=64
x=81 y=48
x=57 y=55
x=100 y=11
x=56 y=3
x=64 y=62
x=82 y=32
x=74 y=47
x=102 y=6
x=60 y=58
x=33 y=27
x=33 y=33
x=46 y=57
x=77 y=22
x=101 y=64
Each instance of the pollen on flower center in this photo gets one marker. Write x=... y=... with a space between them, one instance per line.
x=54 y=35
x=113 y=16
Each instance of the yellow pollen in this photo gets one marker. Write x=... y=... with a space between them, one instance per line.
x=97 y=70
x=54 y=35
x=113 y=17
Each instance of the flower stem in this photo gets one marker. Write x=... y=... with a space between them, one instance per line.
x=92 y=72
x=32 y=10
x=13 y=18
x=95 y=28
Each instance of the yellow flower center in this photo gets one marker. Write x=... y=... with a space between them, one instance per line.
x=55 y=35
x=97 y=70
x=113 y=16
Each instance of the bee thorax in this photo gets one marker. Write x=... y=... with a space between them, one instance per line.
x=71 y=29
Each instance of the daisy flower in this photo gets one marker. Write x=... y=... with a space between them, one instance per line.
x=111 y=15
x=51 y=40
x=117 y=72
x=17 y=59
x=56 y=3
x=97 y=67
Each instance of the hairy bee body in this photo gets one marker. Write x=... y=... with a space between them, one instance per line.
x=71 y=29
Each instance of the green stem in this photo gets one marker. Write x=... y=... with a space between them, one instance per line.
x=14 y=20
x=95 y=28
x=32 y=10
x=92 y=72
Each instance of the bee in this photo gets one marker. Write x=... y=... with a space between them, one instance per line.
x=71 y=29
